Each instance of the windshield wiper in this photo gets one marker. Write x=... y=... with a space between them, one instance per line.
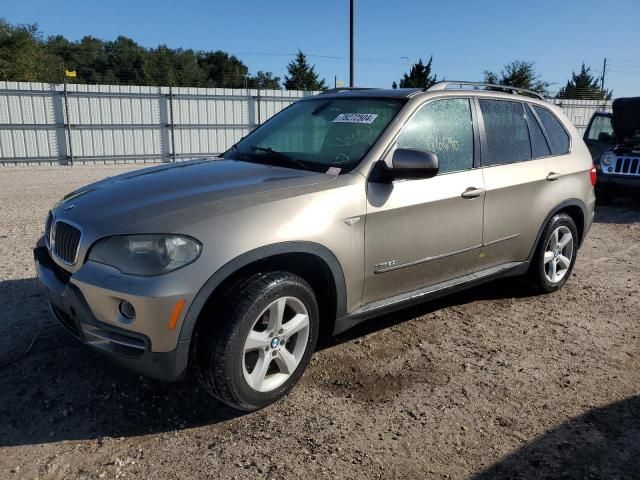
x=280 y=155
x=234 y=149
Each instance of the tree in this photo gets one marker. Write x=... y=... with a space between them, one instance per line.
x=23 y=57
x=125 y=62
x=491 y=77
x=264 y=80
x=223 y=70
x=62 y=49
x=519 y=74
x=160 y=66
x=584 y=86
x=88 y=59
x=186 y=69
x=302 y=76
x=419 y=76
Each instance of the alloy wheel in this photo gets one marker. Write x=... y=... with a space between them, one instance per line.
x=275 y=344
x=558 y=254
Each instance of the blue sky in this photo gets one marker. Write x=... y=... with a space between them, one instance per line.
x=464 y=37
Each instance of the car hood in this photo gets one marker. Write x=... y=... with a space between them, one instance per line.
x=626 y=118
x=139 y=196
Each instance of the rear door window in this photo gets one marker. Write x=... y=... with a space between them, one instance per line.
x=557 y=135
x=507 y=132
x=443 y=127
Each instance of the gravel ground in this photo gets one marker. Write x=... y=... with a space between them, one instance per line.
x=490 y=383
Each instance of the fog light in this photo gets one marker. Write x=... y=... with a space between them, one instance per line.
x=127 y=310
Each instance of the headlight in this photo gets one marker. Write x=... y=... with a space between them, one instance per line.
x=608 y=158
x=146 y=255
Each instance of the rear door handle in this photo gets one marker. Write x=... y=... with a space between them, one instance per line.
x=553 y=176
x=472 y=192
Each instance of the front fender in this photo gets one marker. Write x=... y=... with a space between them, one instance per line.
x=261 y=253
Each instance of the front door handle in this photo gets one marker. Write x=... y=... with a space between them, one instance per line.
x=472 y=192
x=553 y=176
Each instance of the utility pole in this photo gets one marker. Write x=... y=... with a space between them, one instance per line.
x=604 y=69
x=351 y=49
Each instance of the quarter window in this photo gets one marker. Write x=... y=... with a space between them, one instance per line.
x=558 y=137
x=443 y=127
x=539 y=146
x=507 y=132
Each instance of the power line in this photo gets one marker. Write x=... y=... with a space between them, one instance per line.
x=624 y=61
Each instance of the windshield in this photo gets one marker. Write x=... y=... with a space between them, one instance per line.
x=318 y=134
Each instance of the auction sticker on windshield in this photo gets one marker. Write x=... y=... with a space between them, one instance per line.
x=355 y=118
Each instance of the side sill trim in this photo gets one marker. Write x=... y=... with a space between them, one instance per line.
x=431 y=292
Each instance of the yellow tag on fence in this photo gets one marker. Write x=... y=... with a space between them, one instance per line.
x=70 y=73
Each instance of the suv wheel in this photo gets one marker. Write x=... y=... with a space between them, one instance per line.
x=555 y=255
x=260 y=347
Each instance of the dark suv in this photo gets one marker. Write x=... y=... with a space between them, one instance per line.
x=614 y=142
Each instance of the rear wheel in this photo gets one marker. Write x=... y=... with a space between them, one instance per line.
x=258 y=349
x=555 y=254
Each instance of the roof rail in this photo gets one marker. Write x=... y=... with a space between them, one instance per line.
x=345 y=89
x=445 y=85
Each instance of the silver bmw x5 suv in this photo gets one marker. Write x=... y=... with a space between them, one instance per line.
x=343 y=206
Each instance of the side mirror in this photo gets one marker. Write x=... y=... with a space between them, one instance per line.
x=408 y=163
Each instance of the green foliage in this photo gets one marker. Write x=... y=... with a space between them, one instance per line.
x=264 y=80
x=26 y=56
x=302 y=76
x=223 y=70
x=520 y=74
x=419 y=76
x=491 y=77
x=584 y=86
x=23 y=57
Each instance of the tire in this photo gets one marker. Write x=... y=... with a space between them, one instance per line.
x=552 y=251
x=250 y=356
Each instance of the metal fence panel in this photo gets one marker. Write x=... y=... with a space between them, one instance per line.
x=580 y=111
x=28 y=121
x=46 y=123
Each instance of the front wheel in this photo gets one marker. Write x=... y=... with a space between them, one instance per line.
x=555 y=254
x=254 y=353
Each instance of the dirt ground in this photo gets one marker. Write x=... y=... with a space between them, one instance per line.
x=490 y=383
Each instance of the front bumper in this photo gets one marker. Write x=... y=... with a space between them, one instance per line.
x=128 y=348
x=618 y=183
